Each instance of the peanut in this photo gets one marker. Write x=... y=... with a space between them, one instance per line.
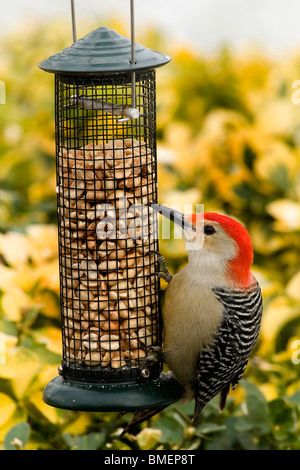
x=108 y=298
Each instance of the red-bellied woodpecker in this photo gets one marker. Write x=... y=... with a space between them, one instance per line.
x=212 y=309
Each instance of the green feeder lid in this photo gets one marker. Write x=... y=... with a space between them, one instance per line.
x=103 y=51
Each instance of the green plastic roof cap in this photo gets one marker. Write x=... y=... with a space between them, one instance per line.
x=103 y=51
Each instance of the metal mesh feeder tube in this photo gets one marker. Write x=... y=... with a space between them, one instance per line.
x=107 y=231
x=106 y=228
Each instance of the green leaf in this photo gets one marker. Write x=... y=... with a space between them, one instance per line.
x=208 y=428
x=9 y=328
x=280 y=177
x=172 y=431
x=148 y=438
x=17 y=436
x=295 y=398
x=90 y=441
x=258 y=414
x=252 y=389
x=257 y=406
x=186 y=409
x=242 y=424
x=283 y=415
x=246 y=440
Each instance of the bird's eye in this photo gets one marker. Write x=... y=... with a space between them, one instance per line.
x=209 y=230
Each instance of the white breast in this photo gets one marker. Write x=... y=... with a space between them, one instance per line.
x=191 y=315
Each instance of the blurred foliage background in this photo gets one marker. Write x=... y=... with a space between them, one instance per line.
x=228 y=137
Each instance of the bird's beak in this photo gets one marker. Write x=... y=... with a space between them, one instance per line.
x=175 y=216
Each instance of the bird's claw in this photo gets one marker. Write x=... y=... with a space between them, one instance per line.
x=164 y=273
x=155 y=354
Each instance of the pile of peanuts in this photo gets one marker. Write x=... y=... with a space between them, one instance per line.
x=108 y=295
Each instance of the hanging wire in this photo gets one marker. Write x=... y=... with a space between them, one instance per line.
x=135 y=113
x=133 y=91
x=125 y=113
x=129 y=112
x=73 y=21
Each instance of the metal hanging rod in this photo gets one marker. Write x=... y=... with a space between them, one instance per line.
x=132 y=31
x=129 y=113
x=132 y=27
x=73 y=21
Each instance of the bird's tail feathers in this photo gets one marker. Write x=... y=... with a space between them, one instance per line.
x=198 y=408
x=140 y=416
x=223 y=397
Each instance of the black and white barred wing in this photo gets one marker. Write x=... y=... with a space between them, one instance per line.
x=224 y=363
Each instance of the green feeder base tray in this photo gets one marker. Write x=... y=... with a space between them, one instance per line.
x=130 y=396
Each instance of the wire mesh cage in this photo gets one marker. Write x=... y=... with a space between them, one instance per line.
x=105 y=118
x=106 y=180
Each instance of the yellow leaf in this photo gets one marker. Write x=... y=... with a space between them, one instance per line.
x=80 y=424
x=14 y=302
x=25 y=277
x=269 y=391
x=49 y=412
x=273 y=155
x=218 y=121
x=293 y=287
x=268 y=285
x=51 y=337
x=7 y=276
x=45 y=376
x=49 y=304
x=6 y=343
x=286 y=212
x=42 y=242
x=278 y=116
x=185 y=200
x=48 y=275
x=14 y=248
x=148 y=438
x=21 y=384
x=19 y=361
x=277 y=313
x=262 y=241
x=7 y=408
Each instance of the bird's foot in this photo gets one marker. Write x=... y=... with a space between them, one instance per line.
x=164 y=272
x=155 y=354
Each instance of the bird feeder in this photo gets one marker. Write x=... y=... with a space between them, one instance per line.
x=105 y=118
